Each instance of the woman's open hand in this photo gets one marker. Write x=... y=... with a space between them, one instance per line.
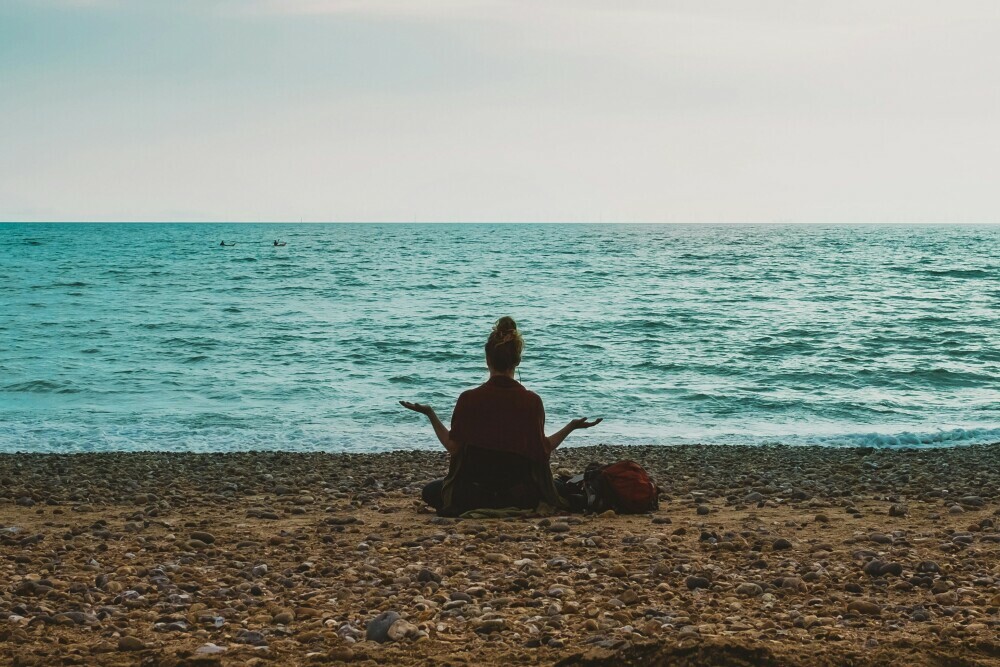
x=556 y=438
x=418 y=407
x=583 y=423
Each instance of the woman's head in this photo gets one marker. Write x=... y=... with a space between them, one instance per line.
x=504 y=346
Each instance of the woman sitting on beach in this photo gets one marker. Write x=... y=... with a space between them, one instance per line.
x=498 y=447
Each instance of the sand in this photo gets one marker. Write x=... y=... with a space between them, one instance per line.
x=773 y=555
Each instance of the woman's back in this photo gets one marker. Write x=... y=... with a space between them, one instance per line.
x=501 y=415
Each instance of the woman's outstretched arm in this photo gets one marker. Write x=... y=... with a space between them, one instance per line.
x=439 y=429
x=556 y=438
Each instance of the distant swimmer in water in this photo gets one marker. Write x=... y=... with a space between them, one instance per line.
x=227 y=244
x=278 y=245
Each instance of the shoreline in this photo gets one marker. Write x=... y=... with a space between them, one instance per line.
x=891 y=438
x=761 y=554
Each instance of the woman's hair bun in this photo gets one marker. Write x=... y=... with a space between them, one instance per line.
x=504 y=346
x=505 y=324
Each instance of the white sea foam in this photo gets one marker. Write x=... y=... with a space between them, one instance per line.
x=55 y=437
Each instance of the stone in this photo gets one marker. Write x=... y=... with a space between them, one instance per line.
x=879 y=568
x=781 y=544
x=940 y=586
x=791 y=584
x=895 y=569
x=749 y=589
x=210 y=649
x=865 y=608
x=806 y=621
x=694 y=583
x=928 y=566
x=490 y=625
x=201 y=536
x=377 y=629
x=946 y=598
x=251 y=637
x=341 y=654
x=426 y=575
x=75 y=618
x=131 y=644
x=401 y=629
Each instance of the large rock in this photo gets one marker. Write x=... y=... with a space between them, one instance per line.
x=377 y=629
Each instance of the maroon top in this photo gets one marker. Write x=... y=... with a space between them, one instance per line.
x=501 y=415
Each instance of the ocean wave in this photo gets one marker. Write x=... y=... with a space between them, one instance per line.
x=904 y=439
x=659 y=366
x=233 y=432
x=938 y=377
x=649 y=325
x=41 y=387
x=444 y=355
x=779 y=348
x=945 y=377
x=192 y=343
x=958 y=273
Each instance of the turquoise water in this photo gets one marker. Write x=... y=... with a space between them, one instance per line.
x=125 y=337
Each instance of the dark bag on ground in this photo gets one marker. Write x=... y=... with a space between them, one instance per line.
x=624 y=487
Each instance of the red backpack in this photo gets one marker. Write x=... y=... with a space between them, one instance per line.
x=624 y=487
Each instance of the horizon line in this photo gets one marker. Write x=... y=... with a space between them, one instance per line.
x=476 y=222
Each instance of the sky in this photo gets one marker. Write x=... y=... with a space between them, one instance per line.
x=515 y=110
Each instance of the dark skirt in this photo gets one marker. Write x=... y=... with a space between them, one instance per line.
x=487 y=479
x=432 y=495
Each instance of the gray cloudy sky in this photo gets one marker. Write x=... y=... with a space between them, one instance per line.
x=540 y=110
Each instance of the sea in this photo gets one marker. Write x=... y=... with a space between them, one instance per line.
x=127 y=337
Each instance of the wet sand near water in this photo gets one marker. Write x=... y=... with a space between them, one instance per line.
x=757 y=555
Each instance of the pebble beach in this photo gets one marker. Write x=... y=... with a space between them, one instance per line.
x=757 y=555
